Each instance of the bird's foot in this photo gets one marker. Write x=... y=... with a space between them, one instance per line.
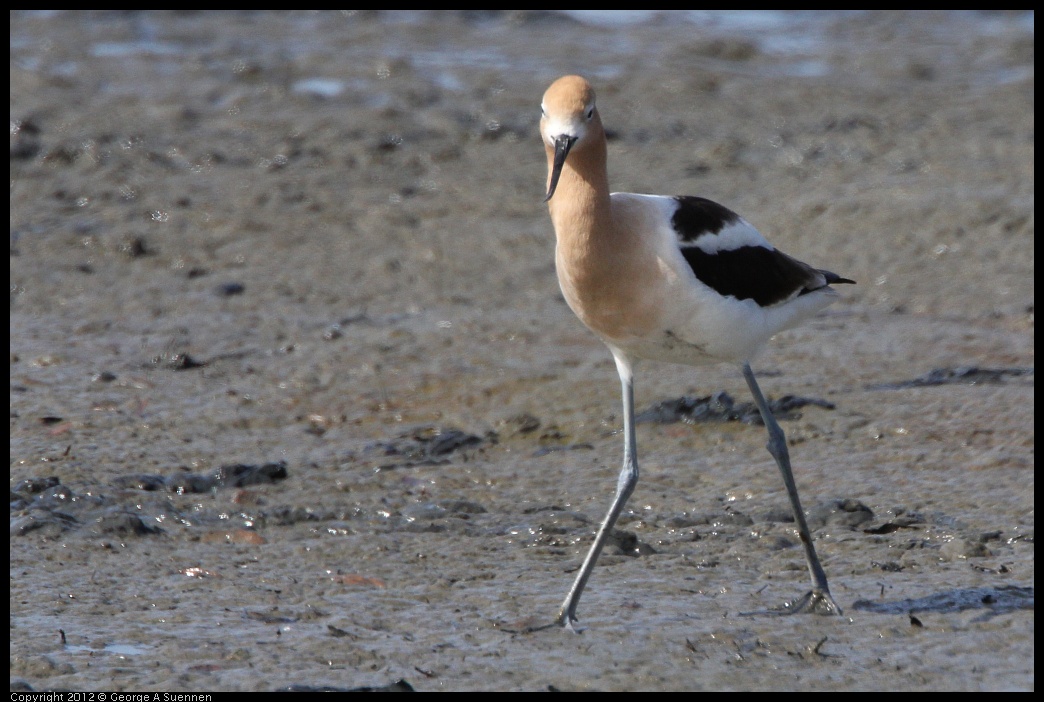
x=814 y=602
x=570 y=622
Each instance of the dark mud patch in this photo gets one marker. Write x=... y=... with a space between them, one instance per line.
x=426 y=446
x=996 y=600
x=721 y=407
x=961 y=375
x=235 y=475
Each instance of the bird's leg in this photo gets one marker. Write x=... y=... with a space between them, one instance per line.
x=624 y=487
x=818 y=599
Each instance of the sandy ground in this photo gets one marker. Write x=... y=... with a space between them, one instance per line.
x=296 y=401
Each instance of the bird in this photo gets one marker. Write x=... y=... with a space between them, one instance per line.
x=679 y=279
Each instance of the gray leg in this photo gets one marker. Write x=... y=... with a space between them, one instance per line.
x=624 y=487
x=818 y=599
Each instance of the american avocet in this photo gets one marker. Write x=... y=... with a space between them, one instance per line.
x=677 y=279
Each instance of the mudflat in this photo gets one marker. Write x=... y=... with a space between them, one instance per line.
x=296 y=401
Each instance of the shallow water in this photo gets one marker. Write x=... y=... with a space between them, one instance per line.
x=241 y=239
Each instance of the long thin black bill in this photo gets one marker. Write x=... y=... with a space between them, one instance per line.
x=562 y=146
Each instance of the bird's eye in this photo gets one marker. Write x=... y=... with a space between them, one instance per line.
x=590 y=112
x=543 y=111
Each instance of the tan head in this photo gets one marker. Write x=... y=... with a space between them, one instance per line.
x=569 y=119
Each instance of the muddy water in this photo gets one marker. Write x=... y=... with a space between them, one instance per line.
x=295 y=400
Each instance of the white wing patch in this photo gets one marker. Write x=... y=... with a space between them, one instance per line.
x=731 y=237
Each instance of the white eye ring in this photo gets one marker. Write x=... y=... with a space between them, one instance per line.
x=590 y=112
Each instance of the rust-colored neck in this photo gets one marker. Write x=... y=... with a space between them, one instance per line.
x=580 y=206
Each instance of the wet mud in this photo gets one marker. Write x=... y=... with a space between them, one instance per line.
x=296 y=403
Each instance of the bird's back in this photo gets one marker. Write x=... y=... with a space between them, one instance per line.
x=688 y=281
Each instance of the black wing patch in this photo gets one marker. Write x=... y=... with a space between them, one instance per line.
x=766 y=276
x=748 y=271
x=697 y=216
